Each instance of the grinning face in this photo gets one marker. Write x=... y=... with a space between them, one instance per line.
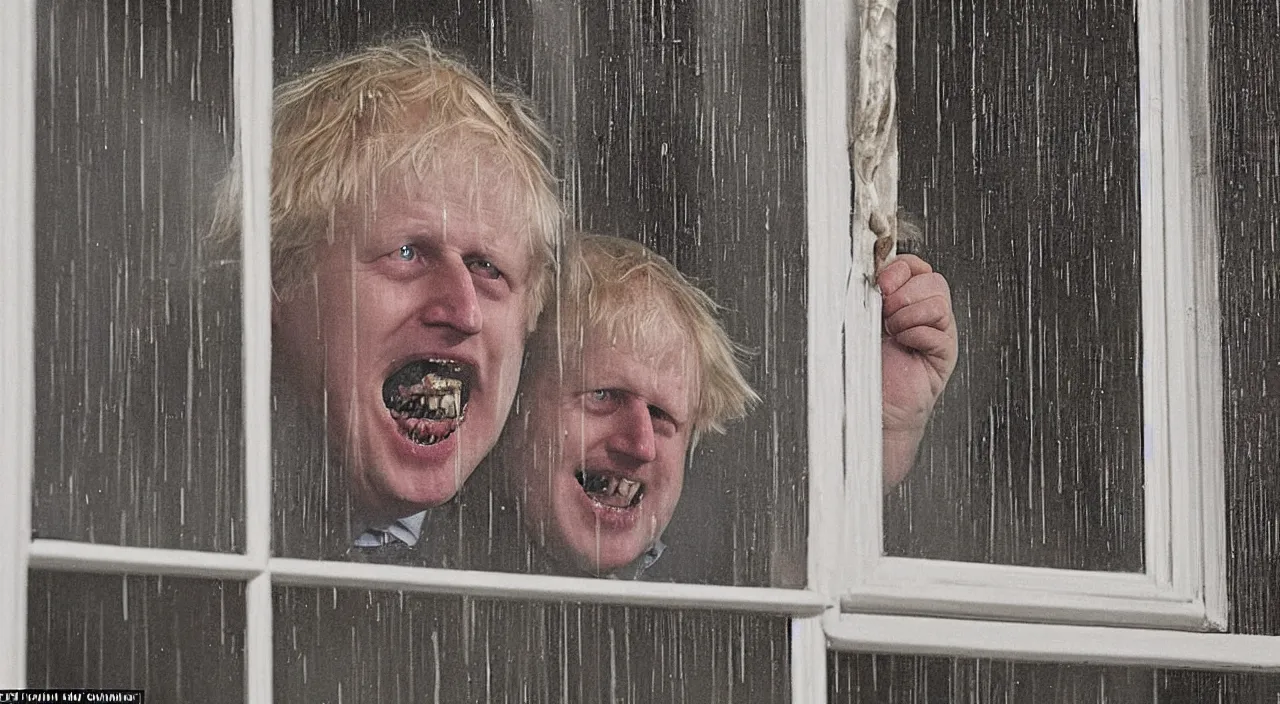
x=411 y=336
x=600 y=451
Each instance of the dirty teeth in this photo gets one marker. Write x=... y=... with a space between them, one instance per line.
x=428 y=398
x=612 y=491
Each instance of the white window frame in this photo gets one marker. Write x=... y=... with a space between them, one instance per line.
x=844 y=437
x=17 y=320
x=252 y=23
x=937 y=607
x=1183 y=583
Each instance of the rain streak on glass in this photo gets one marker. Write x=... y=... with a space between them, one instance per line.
x=893 y=679
x=138 y=416
x=1019 y=145
x=395 y=647
x=180 y=640
x=1244 y=41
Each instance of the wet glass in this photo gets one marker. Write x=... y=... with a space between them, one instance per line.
x=993 y=509
x=1019 y=153
x=395 y=647
x=1242 y=34
x=890 y=679
x=137 y=381
x=678 y=125
x=178 y=639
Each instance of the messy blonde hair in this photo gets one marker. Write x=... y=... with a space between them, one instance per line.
x=397 y=108
x=630 y=295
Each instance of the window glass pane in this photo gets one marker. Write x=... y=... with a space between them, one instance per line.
x=180 y=640
x=1248 y=174
x=887 y=679
x=678 y=125
x=394 y=647
x=1019 y=144
x=138 y=326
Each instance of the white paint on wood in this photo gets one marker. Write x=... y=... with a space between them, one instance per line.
x=1048 y=643
x=17 y=318
x=252 y=68
x=1184 y=582
x=831 y=276
x=498 y=585
x=72 y=556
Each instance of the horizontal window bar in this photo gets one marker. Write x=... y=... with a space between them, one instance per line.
x=1008 y=592
x=502 y=585
x=909 y=571
x=906 y=635
x=69 y=556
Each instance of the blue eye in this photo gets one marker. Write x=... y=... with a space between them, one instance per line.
x=407 y=253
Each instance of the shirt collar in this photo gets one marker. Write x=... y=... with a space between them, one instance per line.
x=407 y=530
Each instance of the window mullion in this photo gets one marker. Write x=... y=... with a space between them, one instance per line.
x=17 y=319
x=1189 y=519
x=834 y=296
x=808 y=660
x=251 y=31
x=873 y=155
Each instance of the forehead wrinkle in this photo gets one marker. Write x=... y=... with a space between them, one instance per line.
x=434 y=199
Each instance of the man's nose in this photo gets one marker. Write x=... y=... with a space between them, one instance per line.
x=633 y=432
x=450 y=298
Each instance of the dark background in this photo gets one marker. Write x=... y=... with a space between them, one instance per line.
x=139 y=419
x=1019 y=147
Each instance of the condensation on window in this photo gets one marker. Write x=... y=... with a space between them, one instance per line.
x=1019 y=153
x=137 y=339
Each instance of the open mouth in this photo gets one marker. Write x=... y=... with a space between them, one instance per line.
x=428 y=398
x=611 y=491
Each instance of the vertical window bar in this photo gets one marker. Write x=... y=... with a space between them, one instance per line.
x=831 y=272
x=837 y=293
x=808 y=660
x=1183 y=373
x=872 y=148
x=17 y=318
x=1204 y=250
x=1155 y=355
x=251 y=34
x=1185 y=466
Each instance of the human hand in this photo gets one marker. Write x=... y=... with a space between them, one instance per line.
x=918 y=354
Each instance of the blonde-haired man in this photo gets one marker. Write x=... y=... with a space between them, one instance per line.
x=413 y=226
x=632 y=366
